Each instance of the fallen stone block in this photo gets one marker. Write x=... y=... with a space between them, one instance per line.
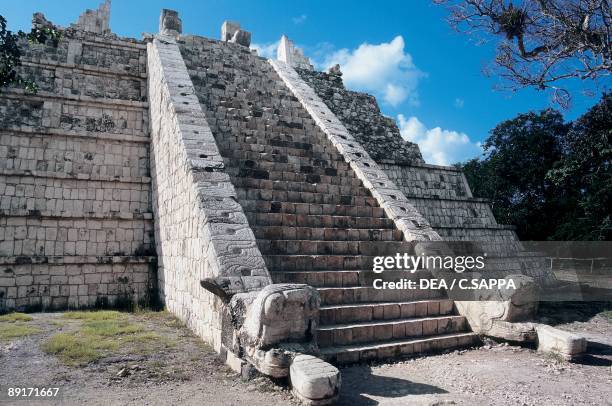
x=518 y=332
x=568 y=345
x=314 y=381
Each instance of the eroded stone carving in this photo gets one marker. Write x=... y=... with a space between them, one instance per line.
x=266 y=320
x=293 y=56
x=228 y=29
x=96 y=21
x=242 y=38
x=231 y=32
x=170 y=23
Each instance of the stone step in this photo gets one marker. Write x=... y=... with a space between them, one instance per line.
x=315 y=247
x=365 y=294
x=324 y=221
x=292 y=176
x=299 y=186
x=361 y=312
x=230 y=148
x=259 y=164
x=317 y=262
x=281 y=123
x=292 y=196
x=326 y=234
x=369 y=331
x=267 y=206
x=344 y=278
x=284 y=158
x=365 y=352
x=257 y=140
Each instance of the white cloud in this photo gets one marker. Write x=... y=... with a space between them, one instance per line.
x=385 y=70
x=300 y=19
x=438 y=146
x=459 y=103
x=267 y=50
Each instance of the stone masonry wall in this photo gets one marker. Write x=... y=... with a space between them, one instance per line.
x=75 y=208
x=360 y=114
x=441 y=194
x=444 y=197
x=201 y=230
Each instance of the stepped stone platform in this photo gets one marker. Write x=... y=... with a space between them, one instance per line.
x=249 y=196
x=76 y=225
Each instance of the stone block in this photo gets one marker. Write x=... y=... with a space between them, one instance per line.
x=568 y=345
x=314 y=381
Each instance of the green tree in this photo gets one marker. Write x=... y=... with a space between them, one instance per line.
x=10 y=53
x=585 y=174
x=512 y=174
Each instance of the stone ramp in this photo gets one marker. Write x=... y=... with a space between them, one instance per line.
x=314 y=220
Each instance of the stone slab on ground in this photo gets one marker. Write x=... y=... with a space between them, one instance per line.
x=314 y=381
x=553 y=340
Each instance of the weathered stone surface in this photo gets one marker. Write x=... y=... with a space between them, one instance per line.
x=288 y=53
x=365 y=168
x=279 y=313
x=314 y=381
x=170 y=23
x=360 y=114
x=568 y=345
x=484 y=309
x=241 y=37
x=519 y=332
x=75 y=205
x=201 y=234
x=96 y=21
x=228 y=29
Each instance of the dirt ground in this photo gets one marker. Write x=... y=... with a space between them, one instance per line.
x=497 y=373
x=187 y=373
x=184 y=371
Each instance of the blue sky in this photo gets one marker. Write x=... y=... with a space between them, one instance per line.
x=424 y=74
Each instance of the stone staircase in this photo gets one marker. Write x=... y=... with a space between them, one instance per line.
x=314 y=221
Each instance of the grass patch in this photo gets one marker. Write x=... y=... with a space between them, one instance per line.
x=94 y=315
x=607 y=314
x=13 y=317
x=16 y=330
x=109 y=328
x=74 y=349
x=147 y=343
x=100 y=334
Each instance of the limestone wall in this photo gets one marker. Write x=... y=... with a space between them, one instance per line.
x=75 y=208
x=443 y=196
x=201 y=230
x=390 y=198
x=359 y=112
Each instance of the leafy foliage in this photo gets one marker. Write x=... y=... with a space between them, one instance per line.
x=10 y=54
x=585 y=174
x=513 y=174
x=550 y=179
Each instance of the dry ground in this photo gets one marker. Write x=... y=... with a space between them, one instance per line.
x=151 y=359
